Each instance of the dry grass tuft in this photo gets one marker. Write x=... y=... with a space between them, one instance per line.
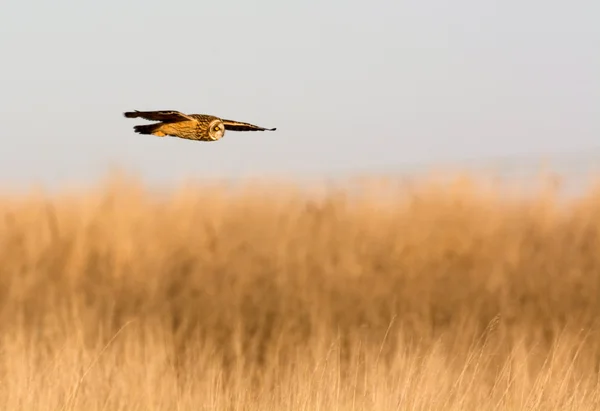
x=455 y=295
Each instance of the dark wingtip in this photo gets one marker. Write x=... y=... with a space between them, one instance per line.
x=130 y=114
x=272 y=129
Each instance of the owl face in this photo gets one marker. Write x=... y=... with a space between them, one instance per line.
x=216 y=129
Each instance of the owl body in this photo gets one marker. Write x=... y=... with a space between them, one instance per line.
x=199 y=127
x=202 y=128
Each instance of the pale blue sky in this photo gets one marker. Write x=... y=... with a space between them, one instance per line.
x=351 y=86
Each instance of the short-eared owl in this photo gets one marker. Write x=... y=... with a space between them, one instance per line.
x=201 y=127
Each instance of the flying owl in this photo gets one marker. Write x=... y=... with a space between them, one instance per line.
x=200 y=127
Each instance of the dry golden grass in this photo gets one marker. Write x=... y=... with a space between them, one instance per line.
x=432 y=296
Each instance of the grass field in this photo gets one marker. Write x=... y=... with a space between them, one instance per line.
x=432 y=296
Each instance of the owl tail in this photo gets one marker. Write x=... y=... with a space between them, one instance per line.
x=153 y=129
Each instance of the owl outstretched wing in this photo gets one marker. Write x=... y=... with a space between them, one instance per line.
x=167 y=116
x=239 y=126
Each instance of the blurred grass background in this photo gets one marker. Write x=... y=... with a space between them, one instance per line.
x=453 y=294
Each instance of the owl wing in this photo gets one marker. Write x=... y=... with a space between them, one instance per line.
x=168 y=116
x=239 y=126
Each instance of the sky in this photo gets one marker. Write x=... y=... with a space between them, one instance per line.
x=352 y=87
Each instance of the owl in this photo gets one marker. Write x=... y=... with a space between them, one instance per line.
x=199 y=127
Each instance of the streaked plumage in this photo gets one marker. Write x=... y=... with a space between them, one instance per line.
x=200 y=127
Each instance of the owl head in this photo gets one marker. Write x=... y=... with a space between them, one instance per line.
x=216 y=129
